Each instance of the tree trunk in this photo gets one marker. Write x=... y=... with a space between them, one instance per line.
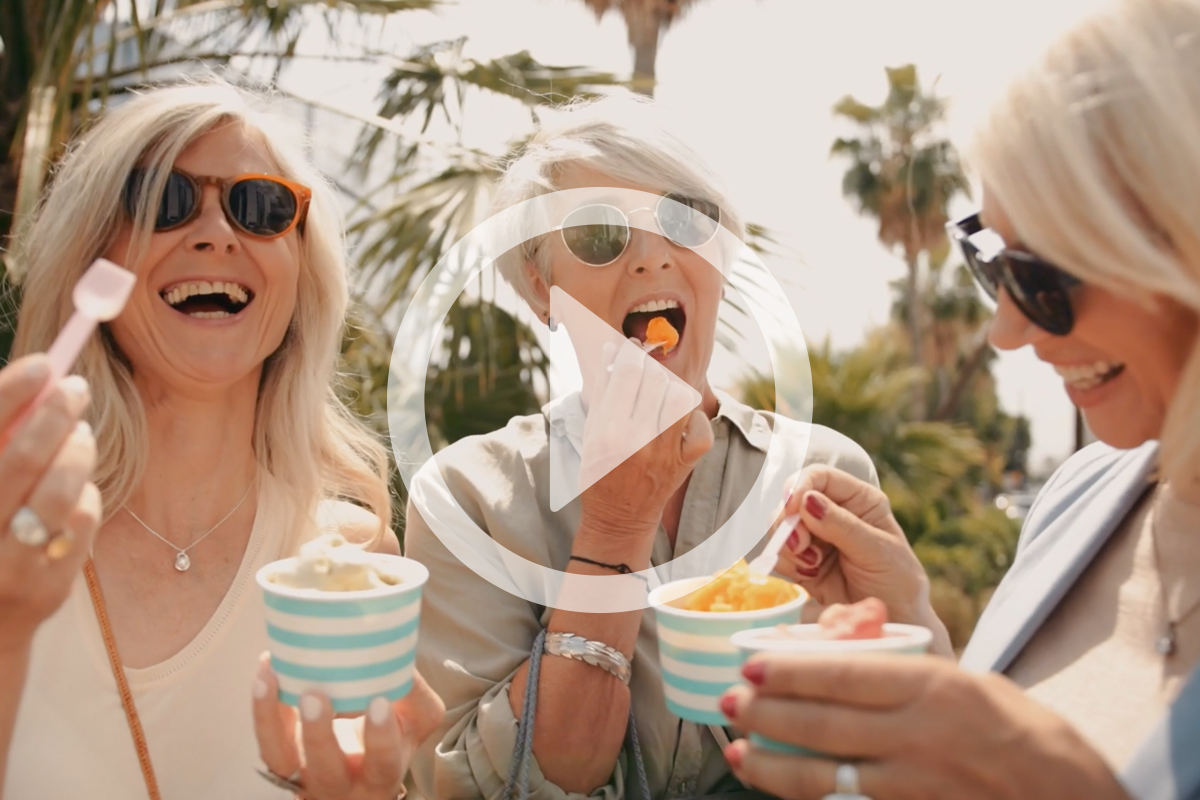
x=950 y=402
x=1080 y=430
x=644 y=28
x=914 y=332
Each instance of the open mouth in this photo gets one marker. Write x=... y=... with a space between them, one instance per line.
x=639 y=317
x=204 y=300
x=1089 y=376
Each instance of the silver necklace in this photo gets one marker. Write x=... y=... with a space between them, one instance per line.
x=182 y=560
x=1165 y=644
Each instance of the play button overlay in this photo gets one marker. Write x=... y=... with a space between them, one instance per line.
x=613 y=431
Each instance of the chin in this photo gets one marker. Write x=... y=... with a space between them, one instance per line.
x=1120 y=433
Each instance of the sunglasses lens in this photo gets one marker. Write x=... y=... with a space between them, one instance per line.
x=262 y=207
x=984 y=272
x=177 y=203
x=687 y=221
x=1040 y=291
x=596 y=235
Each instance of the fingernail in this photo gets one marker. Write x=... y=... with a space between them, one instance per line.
x=809 y=573
x=260 y=688
x=82 y=427
x=310 y=708
x=815 y=505
x=810 y=556
x=75 y=386
x=378 y=711
x=729 y=706
x=37 y=370
x=733 y=754
x=755 y=672
x=793 y=540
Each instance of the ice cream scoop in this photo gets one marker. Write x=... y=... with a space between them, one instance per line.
x=661 y=333
x=329 y=563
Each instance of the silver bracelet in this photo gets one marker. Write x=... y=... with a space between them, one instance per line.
x=598 y=654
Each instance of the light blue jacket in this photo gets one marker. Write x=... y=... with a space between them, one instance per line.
x=1070 y=521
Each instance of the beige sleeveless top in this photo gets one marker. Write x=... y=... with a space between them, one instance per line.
x=72 y=739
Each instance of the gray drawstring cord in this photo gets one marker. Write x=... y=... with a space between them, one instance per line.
x=517 y=787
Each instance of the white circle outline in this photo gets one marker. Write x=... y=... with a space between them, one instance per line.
x=412 y=351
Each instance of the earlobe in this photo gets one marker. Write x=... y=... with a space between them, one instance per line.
x=541 y=292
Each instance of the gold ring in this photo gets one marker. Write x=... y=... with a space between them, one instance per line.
x=61 y=546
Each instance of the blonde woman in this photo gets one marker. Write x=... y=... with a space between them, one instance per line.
x=220 y=447
x=1091 y=170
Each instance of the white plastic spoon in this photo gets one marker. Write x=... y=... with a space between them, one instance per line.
x=765 y=561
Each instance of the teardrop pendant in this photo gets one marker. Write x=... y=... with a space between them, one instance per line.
x=1165 y=645
x=182 y=562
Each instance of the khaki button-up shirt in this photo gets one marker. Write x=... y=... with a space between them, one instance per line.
x=474 y=635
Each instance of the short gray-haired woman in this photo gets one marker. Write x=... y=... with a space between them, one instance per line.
x=1090 y=239
x=659 y=504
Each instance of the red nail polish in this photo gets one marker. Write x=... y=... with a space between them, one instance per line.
x=729 y=706
x=815 y=505
x=755 y=672
x=793 y=540
x=733 y=754
x=810 y=556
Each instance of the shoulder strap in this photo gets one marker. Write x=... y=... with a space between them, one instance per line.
x=114 y=660
x=517 y=787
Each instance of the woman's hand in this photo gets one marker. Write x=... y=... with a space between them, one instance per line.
x=848 y=547
x=46 y=464
x=365 y=758
x=628 y=491
x=917 y=727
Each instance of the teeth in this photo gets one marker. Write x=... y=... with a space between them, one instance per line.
x=235 y=292
x=1086 y=376
x=209 y=314
x=654 y=305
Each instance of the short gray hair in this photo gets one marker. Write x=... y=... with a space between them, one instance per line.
x=626 y=137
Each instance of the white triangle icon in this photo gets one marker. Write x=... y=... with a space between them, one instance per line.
x=589 y=335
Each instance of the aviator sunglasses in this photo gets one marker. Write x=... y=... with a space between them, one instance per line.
x=1039 y=289
x=263 y=206
x=597 y=234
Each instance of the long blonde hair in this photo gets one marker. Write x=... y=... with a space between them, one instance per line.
x=303 y=435
x=1093 y=155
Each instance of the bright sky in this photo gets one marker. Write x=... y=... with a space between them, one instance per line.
x=752 y=83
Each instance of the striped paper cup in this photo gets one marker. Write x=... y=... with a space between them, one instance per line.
x=806 y=640
x=698 y=660
x=351 y=646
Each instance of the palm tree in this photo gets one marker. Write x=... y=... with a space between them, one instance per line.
x=646 y=21
x=904 y=174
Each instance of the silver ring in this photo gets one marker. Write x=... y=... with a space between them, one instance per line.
x=845 y=780
x=292 y=784
x=27 y=528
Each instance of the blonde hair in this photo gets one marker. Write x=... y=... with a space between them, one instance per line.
x=626 y=137
x=1093 y=156
x=303 y=435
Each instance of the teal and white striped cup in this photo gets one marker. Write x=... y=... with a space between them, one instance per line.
x=351 y=646
x=698 y=660
x=806 y=640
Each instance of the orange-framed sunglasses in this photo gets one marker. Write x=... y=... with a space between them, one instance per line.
x=263 y=206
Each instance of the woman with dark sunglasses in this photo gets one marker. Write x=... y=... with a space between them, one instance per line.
x=1082 y=678
x=219 y=446
x=634 y=254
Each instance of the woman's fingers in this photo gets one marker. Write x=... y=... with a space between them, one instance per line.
x=856 y=496
x=385 y=756
x=799 y=778
x=30 y=451
x=274 y=723
x=883 y=681
x=326 y=771
x=57 y=494
x=20 y=383
x=419 y=712
x=860 y=541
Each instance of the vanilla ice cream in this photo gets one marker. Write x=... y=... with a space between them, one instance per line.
x=331 y=564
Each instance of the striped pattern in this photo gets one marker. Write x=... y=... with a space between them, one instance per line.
x=698 y=661
x=348 y=646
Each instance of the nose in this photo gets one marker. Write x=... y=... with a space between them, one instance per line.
x=211 y=231
x=1011 y=329
x=648 y=252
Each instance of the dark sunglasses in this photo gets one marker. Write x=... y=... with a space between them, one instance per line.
x=264 y=206
x=1041 y=290
x=598 y=233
